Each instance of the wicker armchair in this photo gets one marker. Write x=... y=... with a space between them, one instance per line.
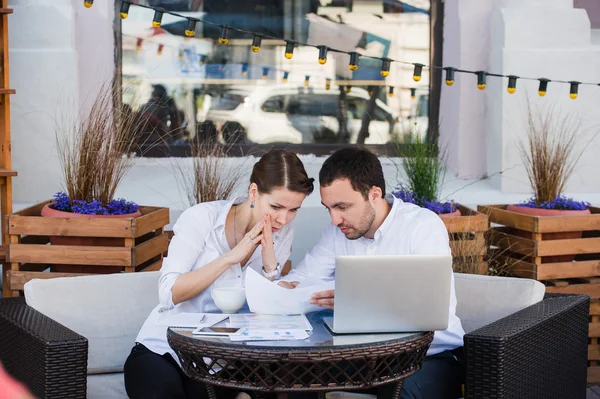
x=538 y=352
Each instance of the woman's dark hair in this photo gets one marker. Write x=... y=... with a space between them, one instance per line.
x=281 y=168
x=356 y=164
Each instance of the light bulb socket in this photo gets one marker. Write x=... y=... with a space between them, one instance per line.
x=450 y=75
x=159 y=51
x=543 y=87
x=124 y=11
x=512 y=84
x=386 y=63
x=157 y=20
x=353 y=64
x=574 y=90
x=418 y=72
x=481 y=79
x=224 y=36
x=322 y=54
x=285 y=76
x=256 y=42
x=190 y=30
x=413 y=92
x=289 y=49
x=391 y=92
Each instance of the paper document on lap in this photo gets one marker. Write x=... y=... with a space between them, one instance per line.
x=267 y=297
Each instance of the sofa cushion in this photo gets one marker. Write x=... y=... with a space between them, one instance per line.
x=108 y=310
x=485 y=299
x=102 y=386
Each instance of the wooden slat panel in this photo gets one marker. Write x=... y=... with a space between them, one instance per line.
x=593 y=352
x=501 y=238
x=34 y=210
x=71 y=227
x=7 y=172
x=593 y=375
x=574 y=246
x=594 y=330
x=153 y=267
x=498 y=214
x=468 y=247
x=17 y=279
x=593 y=290
x=152 y=218
x=6 y=10
x=557 y=224
x=517 y=267
x=594 y=308
x=548 y=271
x=150 y=249
x=8 y=91
x=470 y=221
x=70 y=255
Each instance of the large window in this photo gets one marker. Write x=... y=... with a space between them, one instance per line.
x=194 y=90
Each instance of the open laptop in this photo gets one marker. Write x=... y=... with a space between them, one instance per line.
x=391 y=293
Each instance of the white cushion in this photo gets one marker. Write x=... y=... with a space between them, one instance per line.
x=102 y=386
x=485 y=299
x=108 y=310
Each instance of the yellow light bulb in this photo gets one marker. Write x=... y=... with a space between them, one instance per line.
x=481 y=86
x=322 y=61
x=348 y=89
x=385 y=73
x=573 y=96
x=541 y=93
x=255 y=49
x=190 y=33
x=289 y=55
x=88 y=3
x=156 y=24
x=124 y=15
x=449 y=82
x=223 y=40
x=511 y=90
x=352 y=67
x=416 y=78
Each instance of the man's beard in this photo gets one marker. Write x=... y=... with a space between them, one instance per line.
x=366 y=221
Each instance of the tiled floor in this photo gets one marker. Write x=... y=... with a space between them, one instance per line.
x=593 y=392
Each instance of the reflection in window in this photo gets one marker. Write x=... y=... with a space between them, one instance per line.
x=199 y=91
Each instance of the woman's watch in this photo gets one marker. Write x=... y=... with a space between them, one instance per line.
x=274 y=273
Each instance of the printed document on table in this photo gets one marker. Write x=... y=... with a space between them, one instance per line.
x=266 y=297
x=270 y=335
x=253 y=321
x=190 y=320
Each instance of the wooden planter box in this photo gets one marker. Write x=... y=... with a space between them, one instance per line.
x=141 y=243
x=524 y=247
x=467 y=237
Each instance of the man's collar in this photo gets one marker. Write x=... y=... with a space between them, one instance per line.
x=389 y=219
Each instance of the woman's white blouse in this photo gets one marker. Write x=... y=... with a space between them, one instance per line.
x=199 y=239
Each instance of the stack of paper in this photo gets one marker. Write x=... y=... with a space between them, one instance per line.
x=269 y=335
x=190 y=320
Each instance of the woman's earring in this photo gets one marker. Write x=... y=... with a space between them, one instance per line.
x=252 y=204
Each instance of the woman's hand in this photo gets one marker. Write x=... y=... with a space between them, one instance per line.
x=247 y=244
x=268 y=247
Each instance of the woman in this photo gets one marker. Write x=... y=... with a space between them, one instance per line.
x=214 y=244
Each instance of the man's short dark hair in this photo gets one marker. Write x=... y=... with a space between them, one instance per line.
x=356 y=164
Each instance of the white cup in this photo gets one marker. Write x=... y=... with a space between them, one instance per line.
x=229 y=299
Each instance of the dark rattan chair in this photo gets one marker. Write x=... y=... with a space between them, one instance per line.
x=538 y=352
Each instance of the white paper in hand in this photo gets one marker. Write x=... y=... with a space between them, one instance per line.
x=267 y=297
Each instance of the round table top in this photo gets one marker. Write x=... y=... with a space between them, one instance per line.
x=320 y=337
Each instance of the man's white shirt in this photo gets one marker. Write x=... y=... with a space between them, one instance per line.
x=408 y=229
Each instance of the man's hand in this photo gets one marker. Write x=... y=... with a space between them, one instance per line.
x=323 y=299
x=288 y=284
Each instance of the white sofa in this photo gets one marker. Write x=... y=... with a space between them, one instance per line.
x=108 y=310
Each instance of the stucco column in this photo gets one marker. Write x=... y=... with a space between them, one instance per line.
x=540 y=38
x=59 y=54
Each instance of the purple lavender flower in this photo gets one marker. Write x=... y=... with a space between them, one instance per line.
x=119 y=206
x=559 y=202
x=434 y=206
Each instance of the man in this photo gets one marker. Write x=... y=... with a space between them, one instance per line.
x=366 y=221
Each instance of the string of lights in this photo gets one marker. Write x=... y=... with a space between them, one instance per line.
x=346 y=84
x=257 y=37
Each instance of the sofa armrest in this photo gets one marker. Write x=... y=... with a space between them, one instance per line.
x=538 y=352
x=47 y=357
